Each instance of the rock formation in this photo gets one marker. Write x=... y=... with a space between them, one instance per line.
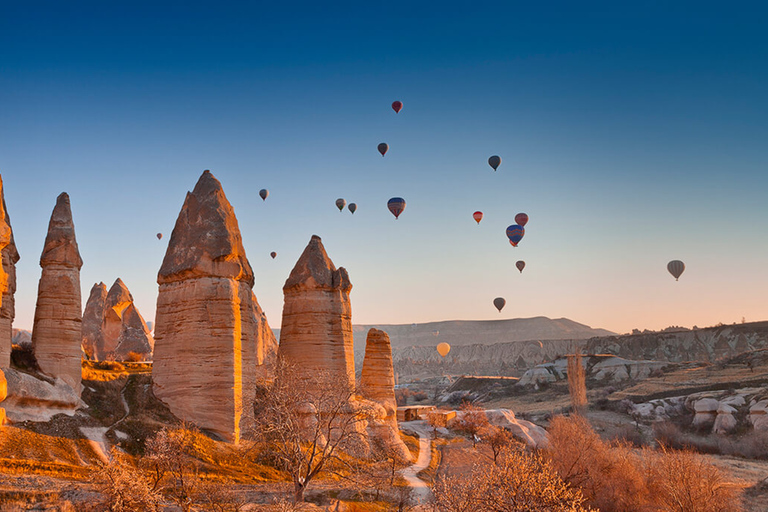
x=56 y=332
x=316 y=332
x=113 y=328
x=210 y=334
x=7 y=282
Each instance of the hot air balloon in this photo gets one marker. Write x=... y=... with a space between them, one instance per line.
x=352 y=207
x=383 y=148
x=273 y=254
x=396 y=205
x=515 y=233
x=478 y=216
x=499 y=302
x=340 y=204
x=520 y=265
x=676 y=268
x=263 y=193
x=443 y=349
x=494 y=161
x=435 y=333
x=159 y=236
x=396 y=106
x=521 y=218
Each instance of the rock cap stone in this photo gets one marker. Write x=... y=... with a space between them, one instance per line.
x=60 y=244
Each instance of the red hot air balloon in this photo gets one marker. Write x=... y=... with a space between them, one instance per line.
x=520 y=265
x=396 y=205
x=396 y=106
x=273 y=254
x=159 y=236
x=521 y=218
x=383 y=148
x=478 y=216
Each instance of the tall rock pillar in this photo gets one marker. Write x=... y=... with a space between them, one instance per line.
x=316 y=333
x=56 y=332
x=209 y=342
x=7 y=281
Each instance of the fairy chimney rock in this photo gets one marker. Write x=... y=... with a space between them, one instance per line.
x=316 y=332
x=10 y=256
x=56 y=332
x=209 y=341
x=113 y=328
x=377 y=381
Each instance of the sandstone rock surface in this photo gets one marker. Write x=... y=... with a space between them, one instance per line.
x=113 y=328
x=27 y=398
x=316 y=331
x=210 y=334
x=10 y=256
x=56 y=332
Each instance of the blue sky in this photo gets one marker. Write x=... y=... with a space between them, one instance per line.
x=631 y=135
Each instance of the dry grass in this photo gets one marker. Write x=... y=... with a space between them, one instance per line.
x=412 y=443
x=24 y=451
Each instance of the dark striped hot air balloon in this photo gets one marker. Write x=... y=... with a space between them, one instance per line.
x=676 y=268
x=494 y=161
x=478 y=216
x=396 y=205
x=522 y=219
x=515 y=233
x=352 y=207
x=263 y=194
x=520 y=265
x=383 y=148
x=499 y=302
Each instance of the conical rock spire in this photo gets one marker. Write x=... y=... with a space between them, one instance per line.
x=10 y=256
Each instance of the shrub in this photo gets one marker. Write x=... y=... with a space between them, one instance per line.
x=123 y=486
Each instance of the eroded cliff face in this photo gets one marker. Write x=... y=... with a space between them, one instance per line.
x=209 y=341
x=10 y=256
x=113 y=328
x=316 y=332
x=57 y=333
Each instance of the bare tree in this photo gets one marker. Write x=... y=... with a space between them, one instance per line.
x=470 y=421
x=497 y=439
x=577 y=382
x=307 y=419
x=173 y=471
x=123 y=486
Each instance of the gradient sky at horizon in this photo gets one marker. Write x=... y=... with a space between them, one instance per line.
x=631 y=135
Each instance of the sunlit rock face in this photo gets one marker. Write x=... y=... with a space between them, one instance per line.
x=113 y=328
x=10 y=256
x=211 y=337
x=316 y=332
x=56 y=333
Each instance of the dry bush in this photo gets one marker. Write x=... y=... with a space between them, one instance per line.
x=682 y=481
x=218 y=497
x=171 y=468
x=497 y=439
x=471 y=421
x=609 y=476
x=577 y=383
x=519 y=482
x=124 y=487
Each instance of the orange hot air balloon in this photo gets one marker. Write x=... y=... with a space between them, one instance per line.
x=443 y=349
x=396 y=106
x=478 y=216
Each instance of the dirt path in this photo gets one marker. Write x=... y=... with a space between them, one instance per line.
x=420 y=488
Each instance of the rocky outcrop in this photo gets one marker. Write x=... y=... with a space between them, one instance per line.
x=706 y=412
x=600 y=367
x=113 y=328
x=210 y=334
x=26 y=398
x=316 y=332
x=531 y=434
x=10 y=256
x=56 y=332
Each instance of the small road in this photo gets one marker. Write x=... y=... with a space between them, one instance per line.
x=420 y=488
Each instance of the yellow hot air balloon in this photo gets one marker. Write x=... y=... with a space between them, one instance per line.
x=443 y=349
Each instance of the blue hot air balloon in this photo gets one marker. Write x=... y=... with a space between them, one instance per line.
x=515 y=233
x=396 y=205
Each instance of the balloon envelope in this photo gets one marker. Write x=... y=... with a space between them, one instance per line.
x=352 y=207
x=396 y=205
x=340 y=204
x=443 y=349
x=478 y=216
x=396 y=106
x=159 y=236
x=521 y=218
x=499 y=302
x=264 y=193
x=520 y=265
x=676 y=268
x=383 y=148
x=273 y=254
x=494 y=161
x=515 y=233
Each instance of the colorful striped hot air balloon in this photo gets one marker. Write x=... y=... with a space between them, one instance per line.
x=515 y=233
x=676 y=268
x=396 y=205
x=478 y=216
x=522 y=219
x=520 y=265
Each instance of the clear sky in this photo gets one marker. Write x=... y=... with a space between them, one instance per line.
x=631 y=133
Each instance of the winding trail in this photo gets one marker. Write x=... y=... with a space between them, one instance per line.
x=420 y=488
x=97 y=435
